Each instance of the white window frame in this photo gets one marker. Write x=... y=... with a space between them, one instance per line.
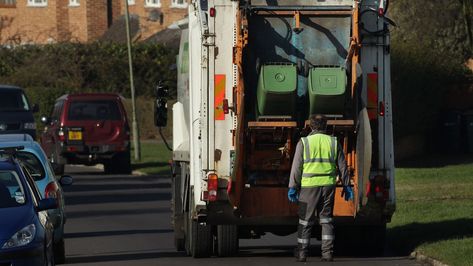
x=74 y=2
x=35 y=3
x=152 y=3
x=174 y=3
x=131 y=2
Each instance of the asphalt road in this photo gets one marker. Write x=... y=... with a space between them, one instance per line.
x=125 y=220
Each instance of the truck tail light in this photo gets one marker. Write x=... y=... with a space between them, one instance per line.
x=212 y=187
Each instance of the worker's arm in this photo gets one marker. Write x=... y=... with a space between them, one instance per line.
x=342 y=166
x=296 y=170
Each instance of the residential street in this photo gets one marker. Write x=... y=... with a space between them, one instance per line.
x=125 y=220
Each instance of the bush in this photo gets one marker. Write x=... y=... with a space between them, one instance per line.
x=87 y=67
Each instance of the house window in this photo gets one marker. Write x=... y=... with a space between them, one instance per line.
x=74 y=2
x=37 y=2
x=179 y=3
x=7 y=3
x=131 y=2
x=153 y=3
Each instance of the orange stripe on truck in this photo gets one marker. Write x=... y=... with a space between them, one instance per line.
x=219 y=96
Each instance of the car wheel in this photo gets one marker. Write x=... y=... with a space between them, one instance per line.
x=60 y=252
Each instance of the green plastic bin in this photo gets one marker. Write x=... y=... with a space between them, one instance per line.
x=277 y=90
x=327 y=87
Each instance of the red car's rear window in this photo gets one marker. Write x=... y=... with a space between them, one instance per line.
x=93 y=110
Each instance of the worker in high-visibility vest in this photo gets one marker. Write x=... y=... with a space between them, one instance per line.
x=312 y=184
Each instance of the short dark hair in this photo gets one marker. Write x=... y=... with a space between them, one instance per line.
x=318 y=122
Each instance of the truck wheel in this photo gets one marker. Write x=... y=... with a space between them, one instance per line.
x=201 y=240
x=227 y=240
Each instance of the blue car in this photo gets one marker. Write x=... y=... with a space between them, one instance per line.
x=35 y=161
x=26 y=229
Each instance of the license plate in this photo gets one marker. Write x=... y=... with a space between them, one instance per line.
x=75 y=135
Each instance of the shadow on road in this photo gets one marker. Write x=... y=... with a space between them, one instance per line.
x=116 y=198
x=116 y=233
x=105 y=187
x=407 y=238
x=122 y=212
x=121 y=257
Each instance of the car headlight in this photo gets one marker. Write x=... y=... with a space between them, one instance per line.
x=22 y=237
x=30 y=125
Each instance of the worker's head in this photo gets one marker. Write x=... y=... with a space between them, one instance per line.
x=318 y=122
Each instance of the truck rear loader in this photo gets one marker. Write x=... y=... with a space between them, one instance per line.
x=250 y=73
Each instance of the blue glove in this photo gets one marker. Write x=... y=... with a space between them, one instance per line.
x=292 y=195
x=347 y=193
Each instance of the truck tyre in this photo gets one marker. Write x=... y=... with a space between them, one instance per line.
x=199 y=238
x=227 y=240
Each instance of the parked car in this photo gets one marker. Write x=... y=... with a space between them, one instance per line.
x=32 y=157
x=88 y=128
x=26 y=236
x=16 y=113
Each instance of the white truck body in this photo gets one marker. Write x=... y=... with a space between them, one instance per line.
x=206 y=119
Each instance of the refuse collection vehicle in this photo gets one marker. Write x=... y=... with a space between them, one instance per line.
x=250 y=73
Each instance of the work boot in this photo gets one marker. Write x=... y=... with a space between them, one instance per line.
x=300 y=254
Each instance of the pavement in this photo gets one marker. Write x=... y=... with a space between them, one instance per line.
x=125 y=220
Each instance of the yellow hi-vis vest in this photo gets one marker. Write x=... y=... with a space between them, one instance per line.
x=320 y=155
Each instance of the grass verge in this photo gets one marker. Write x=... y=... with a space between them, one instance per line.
x=154 y=158
x=435 y=211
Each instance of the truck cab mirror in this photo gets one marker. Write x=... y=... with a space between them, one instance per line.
x=161 y=106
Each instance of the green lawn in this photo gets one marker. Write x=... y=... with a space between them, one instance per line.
x=154 y=158
x=435 y=211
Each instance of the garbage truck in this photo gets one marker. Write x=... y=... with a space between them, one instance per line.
x=250 y=74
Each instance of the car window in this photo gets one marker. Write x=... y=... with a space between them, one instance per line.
x=13 y=100
x=32 y=163
x=93 y=110
x=12 y=193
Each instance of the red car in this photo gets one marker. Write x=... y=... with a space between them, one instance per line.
x=88 y=128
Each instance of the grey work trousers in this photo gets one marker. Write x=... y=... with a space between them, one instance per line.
x=317 y=201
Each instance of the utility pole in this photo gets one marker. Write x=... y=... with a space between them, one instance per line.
x=134 y=123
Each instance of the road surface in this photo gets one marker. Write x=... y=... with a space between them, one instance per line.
x=125 y=220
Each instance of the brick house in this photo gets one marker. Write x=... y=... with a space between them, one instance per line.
x=48 y=21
